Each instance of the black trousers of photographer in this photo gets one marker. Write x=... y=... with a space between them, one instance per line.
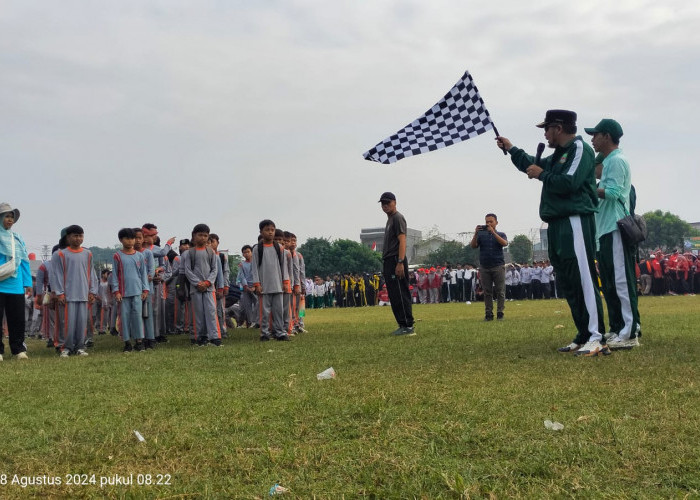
x=399 y=293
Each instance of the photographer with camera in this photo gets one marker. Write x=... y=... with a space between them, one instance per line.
x=491 y=264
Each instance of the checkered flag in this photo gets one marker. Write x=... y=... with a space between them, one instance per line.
x=458 y=116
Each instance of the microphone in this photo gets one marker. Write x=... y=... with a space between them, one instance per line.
x=540 y=150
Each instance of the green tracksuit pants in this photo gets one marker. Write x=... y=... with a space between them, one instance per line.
x=571 y=243
x=616 y=265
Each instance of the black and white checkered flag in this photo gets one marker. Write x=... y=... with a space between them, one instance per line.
x=458 y=116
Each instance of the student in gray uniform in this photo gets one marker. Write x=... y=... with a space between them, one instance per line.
x=222 y=283
x=200 y=266
x=249 y=300
x=151 y=241
x=271 y=278
x=298 y=281
x=175 y=308
x=75 y=288
x=130 y=288
x=149 y=336
x=287 y=294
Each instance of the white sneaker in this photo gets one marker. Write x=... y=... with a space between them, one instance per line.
x=610 y=335
x=22 y=355
x=64 y=353
x=618 y=343
x=590 y=348
x=0 y=357
x=82 y=352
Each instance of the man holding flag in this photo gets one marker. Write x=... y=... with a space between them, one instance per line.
x=568 y=204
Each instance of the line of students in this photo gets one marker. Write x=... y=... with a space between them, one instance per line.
x=153 y=290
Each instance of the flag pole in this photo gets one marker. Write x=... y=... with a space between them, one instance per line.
x=498 y=135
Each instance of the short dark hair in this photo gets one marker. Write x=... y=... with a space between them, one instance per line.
x=214 y=236
x=492 y=215
x=137 y=230
x=150 y=225
x=126 y=232
x=287 y=234
x=266 y=222
x=200 y=228
x=279 y=233
x=74 y=229
x=246 y=247
x=292 y=235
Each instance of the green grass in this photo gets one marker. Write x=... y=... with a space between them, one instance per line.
x=454 y=412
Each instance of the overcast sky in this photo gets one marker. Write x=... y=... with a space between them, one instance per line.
x=113 y=114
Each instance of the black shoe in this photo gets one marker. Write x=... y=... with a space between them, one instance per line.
x=139 y=347
x=128 y=347
x=264 y=338
x=283 y=338
x=49 y=344
x=499 y=316
x=488 y=318
x=149 y=343
x=202 y=342
x=114 y=331
x=161 y=339
x=193 y=342
x=216 y=343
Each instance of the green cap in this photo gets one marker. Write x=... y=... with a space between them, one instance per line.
x=607 y=126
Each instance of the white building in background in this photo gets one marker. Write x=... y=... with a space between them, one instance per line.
x=373 y=237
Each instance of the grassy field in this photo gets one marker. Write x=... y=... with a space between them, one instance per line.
x=454 y=412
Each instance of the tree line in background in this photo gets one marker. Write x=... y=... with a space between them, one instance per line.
x=324 y=257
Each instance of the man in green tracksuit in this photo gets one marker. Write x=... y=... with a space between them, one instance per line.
x=615 y=256
x=568 y=205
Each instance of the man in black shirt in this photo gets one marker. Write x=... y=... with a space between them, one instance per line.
x=491 y=264
x=395 y=267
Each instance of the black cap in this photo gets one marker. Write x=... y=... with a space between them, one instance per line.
x=184 y=242
x=387 y=197
x=560 y=116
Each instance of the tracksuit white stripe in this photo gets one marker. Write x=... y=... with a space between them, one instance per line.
x=577 y=157
x=589 y=290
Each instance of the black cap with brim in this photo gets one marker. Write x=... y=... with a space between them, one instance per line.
x=388 y=196
x=558 y=116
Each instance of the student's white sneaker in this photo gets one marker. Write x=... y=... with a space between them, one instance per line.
x=609 y=336
x=617 y=343
x=0 y=357
x=82 y=352
x=64 y=353
x=22 y=355
x=590 y=348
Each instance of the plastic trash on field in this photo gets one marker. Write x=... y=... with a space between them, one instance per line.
x=326 y=374
x=277 y=490
x=553 y=426
x=139 y=436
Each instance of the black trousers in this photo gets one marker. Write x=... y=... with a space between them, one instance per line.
x=399 y=294
x=12 y=308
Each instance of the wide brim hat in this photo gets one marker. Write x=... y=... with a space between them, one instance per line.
x=6 y=207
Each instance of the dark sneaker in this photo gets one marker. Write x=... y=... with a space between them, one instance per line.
x=398 y=331
x=161 y=339
x=408 y=331
x=488 y=318
x=283 y=338
x=114 y=331
x=49 y=343
x=149 y=343
x=264 y=338
x=202 y=342
x=89 y=343
x=139 y=347
x=128 y=347
x=499 y=316
x=216 y=343
x=573 y=347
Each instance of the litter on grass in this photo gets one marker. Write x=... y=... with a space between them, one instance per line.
x=277 y=490
x=139 y=436
x=559 y=326
x=326 y=374
x=553 y=426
